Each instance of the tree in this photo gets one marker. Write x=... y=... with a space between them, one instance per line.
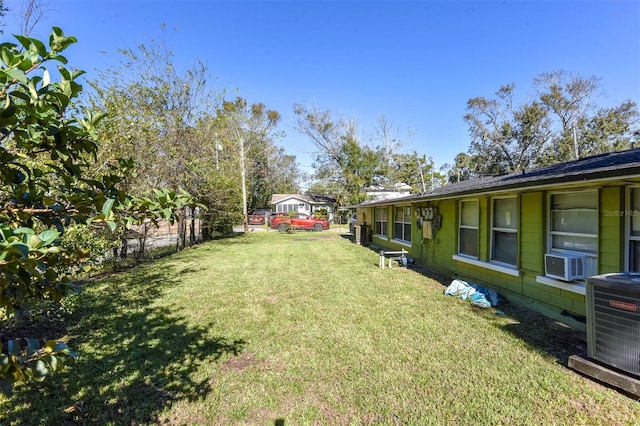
x=563 y=124
x=251 y=127
x=581 y=128
x=31 y=12
x=154 y=107
x=389 y=137
x=3 y=12
x=216 y=178
x=505 y=137
x=461 y=169
x=160 y=117
x=344 y=166
x=46 y=147
x=360 y=168
x=412 y=169
x=397 y=167
x=237 y=127
x=569 y=98
x=183 y=133
x=283 y=176
x=326 y=133
x=610 y=129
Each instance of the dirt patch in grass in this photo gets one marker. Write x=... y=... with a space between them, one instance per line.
x=183 y=416
x=239 y=363
x=272 y=299
x=45 y=324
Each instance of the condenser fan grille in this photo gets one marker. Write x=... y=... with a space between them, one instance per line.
x=613 y=328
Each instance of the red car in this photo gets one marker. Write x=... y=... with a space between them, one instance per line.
x=285 y=222
x=256 y=219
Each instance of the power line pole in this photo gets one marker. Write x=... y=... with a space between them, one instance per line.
x=431 y=160
x=424 y=188
x=243 y=176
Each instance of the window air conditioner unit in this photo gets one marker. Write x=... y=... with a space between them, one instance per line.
x=613 y=320
x=566 y=267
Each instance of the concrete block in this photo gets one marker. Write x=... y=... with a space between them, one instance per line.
x=618 y=380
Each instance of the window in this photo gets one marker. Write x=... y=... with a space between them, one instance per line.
x=380 y=214
x=402 y=224
x=573 y=225
x=574 y=222
x=468 y=242
x=504 y=245
x=633 y=214
x=286 y=208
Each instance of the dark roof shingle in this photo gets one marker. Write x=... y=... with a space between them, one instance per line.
x=612 y=164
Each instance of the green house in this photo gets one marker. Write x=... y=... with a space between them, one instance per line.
x=533 y=234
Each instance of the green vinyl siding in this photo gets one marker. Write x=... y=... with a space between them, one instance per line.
x=436 y=252
x=611 y=230
x=485 y=229
x=532 y=237
x=442 y=252
x=440 y=249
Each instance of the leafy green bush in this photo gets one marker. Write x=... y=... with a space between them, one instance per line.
x=96 y=244
x=321 y=214
x=46 y=147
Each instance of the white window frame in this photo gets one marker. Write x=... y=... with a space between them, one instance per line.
x=293 y=206
x=383 y=223
x=591 y=258
x=630 y=213
x=406 y=220
x=495 y=229
x=472 y=227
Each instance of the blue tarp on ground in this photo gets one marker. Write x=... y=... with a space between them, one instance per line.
x=477 y=294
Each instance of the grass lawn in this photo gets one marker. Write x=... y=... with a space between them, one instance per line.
x=286 y=329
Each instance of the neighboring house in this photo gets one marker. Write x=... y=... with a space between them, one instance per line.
x=303 y=203
x=378 y=192
x=535 y=233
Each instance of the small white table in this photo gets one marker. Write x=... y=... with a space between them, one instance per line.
x=391 y=255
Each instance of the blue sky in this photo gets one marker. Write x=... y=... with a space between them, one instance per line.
x=416 y=62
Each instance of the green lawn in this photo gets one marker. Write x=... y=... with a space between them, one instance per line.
x=303 y=328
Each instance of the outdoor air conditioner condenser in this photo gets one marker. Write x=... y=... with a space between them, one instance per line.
x=613 y=320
